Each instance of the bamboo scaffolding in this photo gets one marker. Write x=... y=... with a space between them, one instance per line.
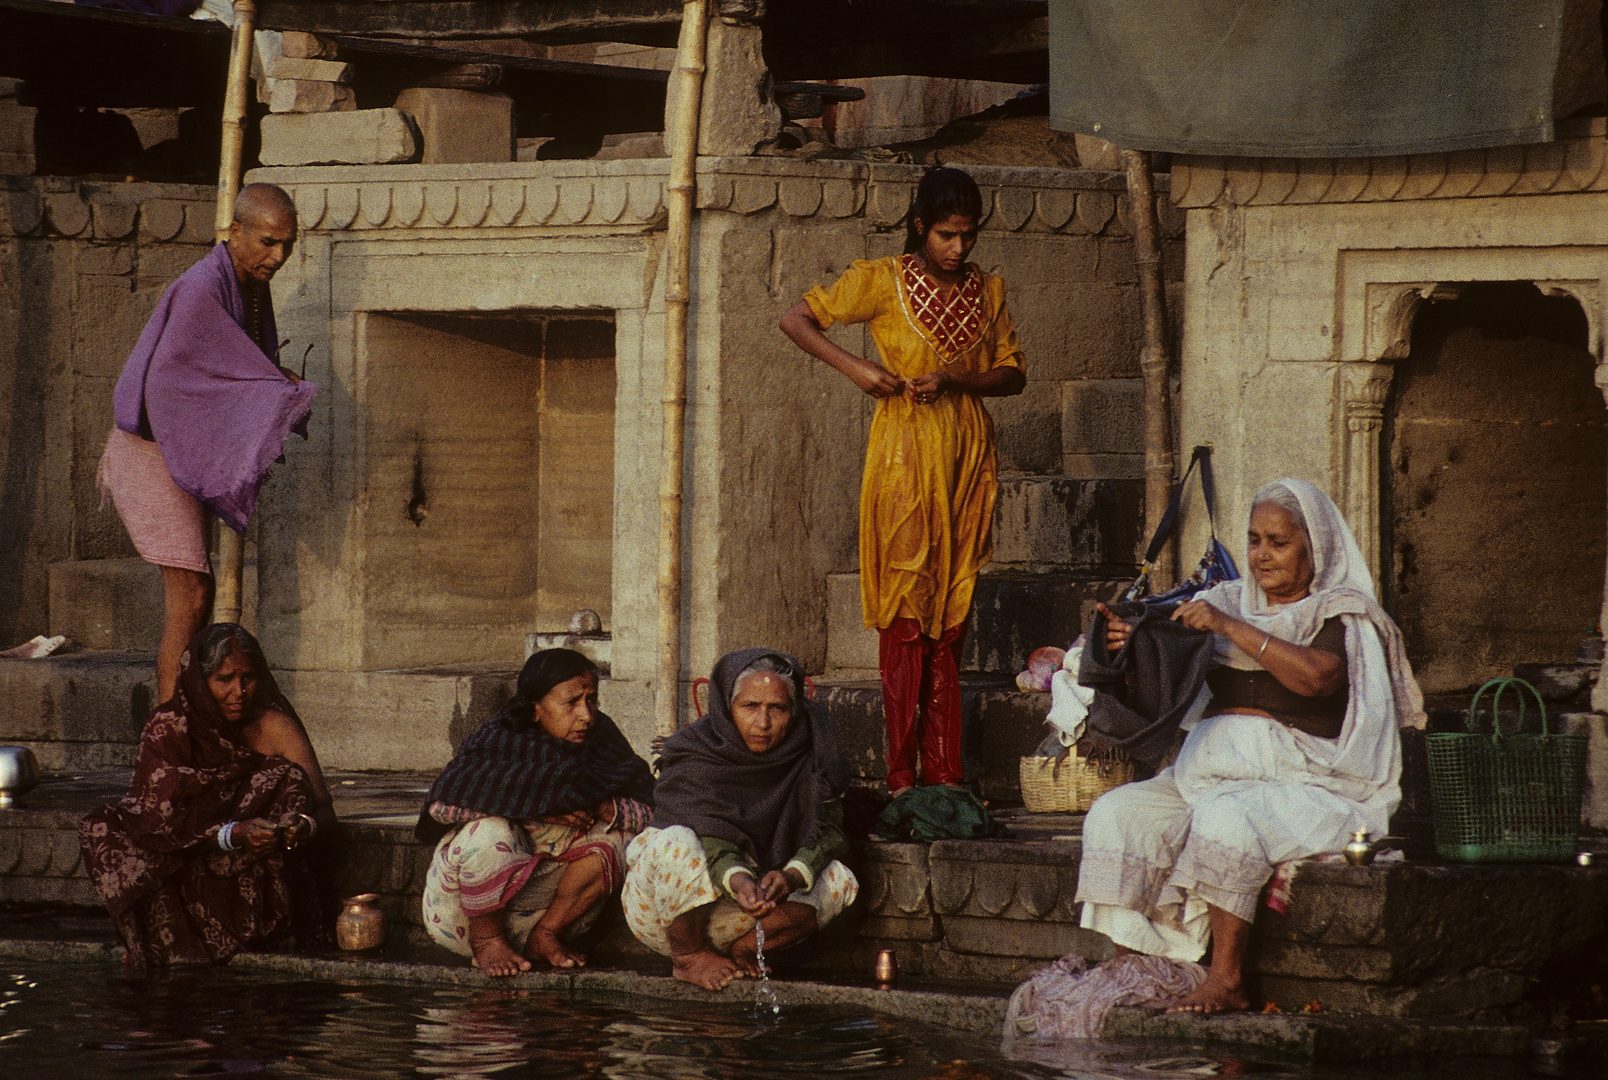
x=1155 y=360
x=231 y=546
x=687 y=86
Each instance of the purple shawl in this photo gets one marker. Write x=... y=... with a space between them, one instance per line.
x=216 y=406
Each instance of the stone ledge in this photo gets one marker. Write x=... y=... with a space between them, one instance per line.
x=631 y=193
x=96 y=210
x=1576 y=161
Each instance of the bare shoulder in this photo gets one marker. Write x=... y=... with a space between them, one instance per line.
x=276 y=733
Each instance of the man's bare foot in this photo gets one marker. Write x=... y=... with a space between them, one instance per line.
x=1213 y=995
x=706 y=968
x=545 y=945
x=494 y=957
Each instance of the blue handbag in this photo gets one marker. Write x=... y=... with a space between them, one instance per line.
x=1215 y=567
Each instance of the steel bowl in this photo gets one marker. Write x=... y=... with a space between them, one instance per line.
x=19 y=774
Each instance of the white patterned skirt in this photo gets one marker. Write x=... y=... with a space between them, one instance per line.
x=493 y=864
x=668 y=876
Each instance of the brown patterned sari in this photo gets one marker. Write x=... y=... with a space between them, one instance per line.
x=175 y=896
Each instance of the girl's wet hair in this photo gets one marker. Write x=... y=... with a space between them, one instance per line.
x=221 y=639
x=941 y=194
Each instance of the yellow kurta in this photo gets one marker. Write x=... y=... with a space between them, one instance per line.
x=927 y=500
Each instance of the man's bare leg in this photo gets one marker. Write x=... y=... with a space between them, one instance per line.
x=579 y=887
x=186 y=607
x=692 y=957
x=493 y=954
x=1223 y=990
x=791 y=922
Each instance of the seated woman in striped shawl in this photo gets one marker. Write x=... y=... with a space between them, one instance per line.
x=530 y=820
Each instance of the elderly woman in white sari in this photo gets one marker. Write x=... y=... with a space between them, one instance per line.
x=1297 y=748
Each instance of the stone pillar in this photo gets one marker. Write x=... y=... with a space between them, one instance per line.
x=1365 y=387
x=738 y=110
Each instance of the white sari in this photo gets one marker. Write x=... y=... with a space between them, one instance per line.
x=1247 y=792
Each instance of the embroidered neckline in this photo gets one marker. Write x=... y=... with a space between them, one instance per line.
x=951 y=323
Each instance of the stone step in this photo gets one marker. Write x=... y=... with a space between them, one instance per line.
x=107 y=604
x=1059 y=523
x=1000 y=724
x=85 y=710
x=1561 y=684
x=1013 y=612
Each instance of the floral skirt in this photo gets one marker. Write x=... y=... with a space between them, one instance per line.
x=667 y=876
x=493 y=864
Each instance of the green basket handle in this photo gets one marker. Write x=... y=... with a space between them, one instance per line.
x=1519 y=686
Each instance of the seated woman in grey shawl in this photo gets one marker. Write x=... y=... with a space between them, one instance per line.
x=1297 y=748
x=748 y=827
x=529 y=821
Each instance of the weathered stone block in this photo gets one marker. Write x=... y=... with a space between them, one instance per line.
x=307 y=69
x=304 y=46
x=16 y=138
x=1454 y=995
x=1027 y=429
x=893 y=880
x=1008 y=725
x=1050 y=523
x=1005 y=879
x=1034 y=940
x=1013 y=613
x=364 y=137
x=1493 y=927
x=850 y=644
x=78 y=700
x=461 y=125
x=1104 y=416
x=107 y=603
x=301 y=96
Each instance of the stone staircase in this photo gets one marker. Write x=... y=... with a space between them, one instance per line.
x=1060 y=545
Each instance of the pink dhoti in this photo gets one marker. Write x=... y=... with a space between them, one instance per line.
x=167 y=524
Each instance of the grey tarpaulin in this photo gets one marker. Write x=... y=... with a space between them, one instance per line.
x=1321 y=78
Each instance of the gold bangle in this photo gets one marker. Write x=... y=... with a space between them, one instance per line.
x=1263 y=649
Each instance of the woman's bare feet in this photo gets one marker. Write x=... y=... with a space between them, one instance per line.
x=1216 y=994
x=705 y=968
x=747 y=960
x=495 y=957
x=544 y=944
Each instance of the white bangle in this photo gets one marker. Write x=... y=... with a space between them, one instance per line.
x=1263 y=649
x=226 y=836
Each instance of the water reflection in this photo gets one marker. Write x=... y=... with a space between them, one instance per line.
x=74 y=1021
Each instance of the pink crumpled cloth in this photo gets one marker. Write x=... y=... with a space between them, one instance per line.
x=1069 y=999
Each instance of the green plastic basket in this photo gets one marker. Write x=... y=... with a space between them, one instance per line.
x=1506 y=798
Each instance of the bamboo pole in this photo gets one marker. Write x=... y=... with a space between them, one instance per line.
x=683 y=132
x=231 y=547
x=1155 y=359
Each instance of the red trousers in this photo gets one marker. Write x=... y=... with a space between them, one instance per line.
x=921 y=679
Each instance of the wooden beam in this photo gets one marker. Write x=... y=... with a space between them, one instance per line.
x=652 y=22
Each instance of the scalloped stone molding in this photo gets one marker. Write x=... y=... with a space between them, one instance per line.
x=71 y=209
x=1577 y=161
x=630 y=195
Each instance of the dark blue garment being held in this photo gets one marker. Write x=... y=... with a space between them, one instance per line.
x=1143 y=692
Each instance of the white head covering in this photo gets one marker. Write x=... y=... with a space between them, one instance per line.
x=1341 y=585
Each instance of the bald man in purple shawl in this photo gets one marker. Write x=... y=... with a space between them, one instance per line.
x=202 y=409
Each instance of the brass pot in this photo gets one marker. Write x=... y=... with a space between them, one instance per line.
x=360 y=925
x=1360 y=851
x=19 y=774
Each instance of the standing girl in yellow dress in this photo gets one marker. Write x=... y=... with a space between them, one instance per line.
x=927 y=500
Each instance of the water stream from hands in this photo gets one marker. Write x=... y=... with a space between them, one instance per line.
x=765 y=1000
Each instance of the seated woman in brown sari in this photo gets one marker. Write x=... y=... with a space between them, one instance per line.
x=530 y=820
x=203 y=858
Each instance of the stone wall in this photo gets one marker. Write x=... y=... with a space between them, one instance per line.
x=1303 y=283
x=81 y=266
x=774 y=439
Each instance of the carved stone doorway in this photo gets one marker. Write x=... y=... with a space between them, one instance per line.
x=1496 y=483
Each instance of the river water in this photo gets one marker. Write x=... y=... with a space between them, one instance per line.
x=72 y=1021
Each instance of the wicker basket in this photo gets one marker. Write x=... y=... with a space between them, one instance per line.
x=1070 y=785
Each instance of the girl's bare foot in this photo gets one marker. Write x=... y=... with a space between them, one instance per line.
x=544 y=944
x=1214 y=995
x=705 y=968
x=494 y=957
